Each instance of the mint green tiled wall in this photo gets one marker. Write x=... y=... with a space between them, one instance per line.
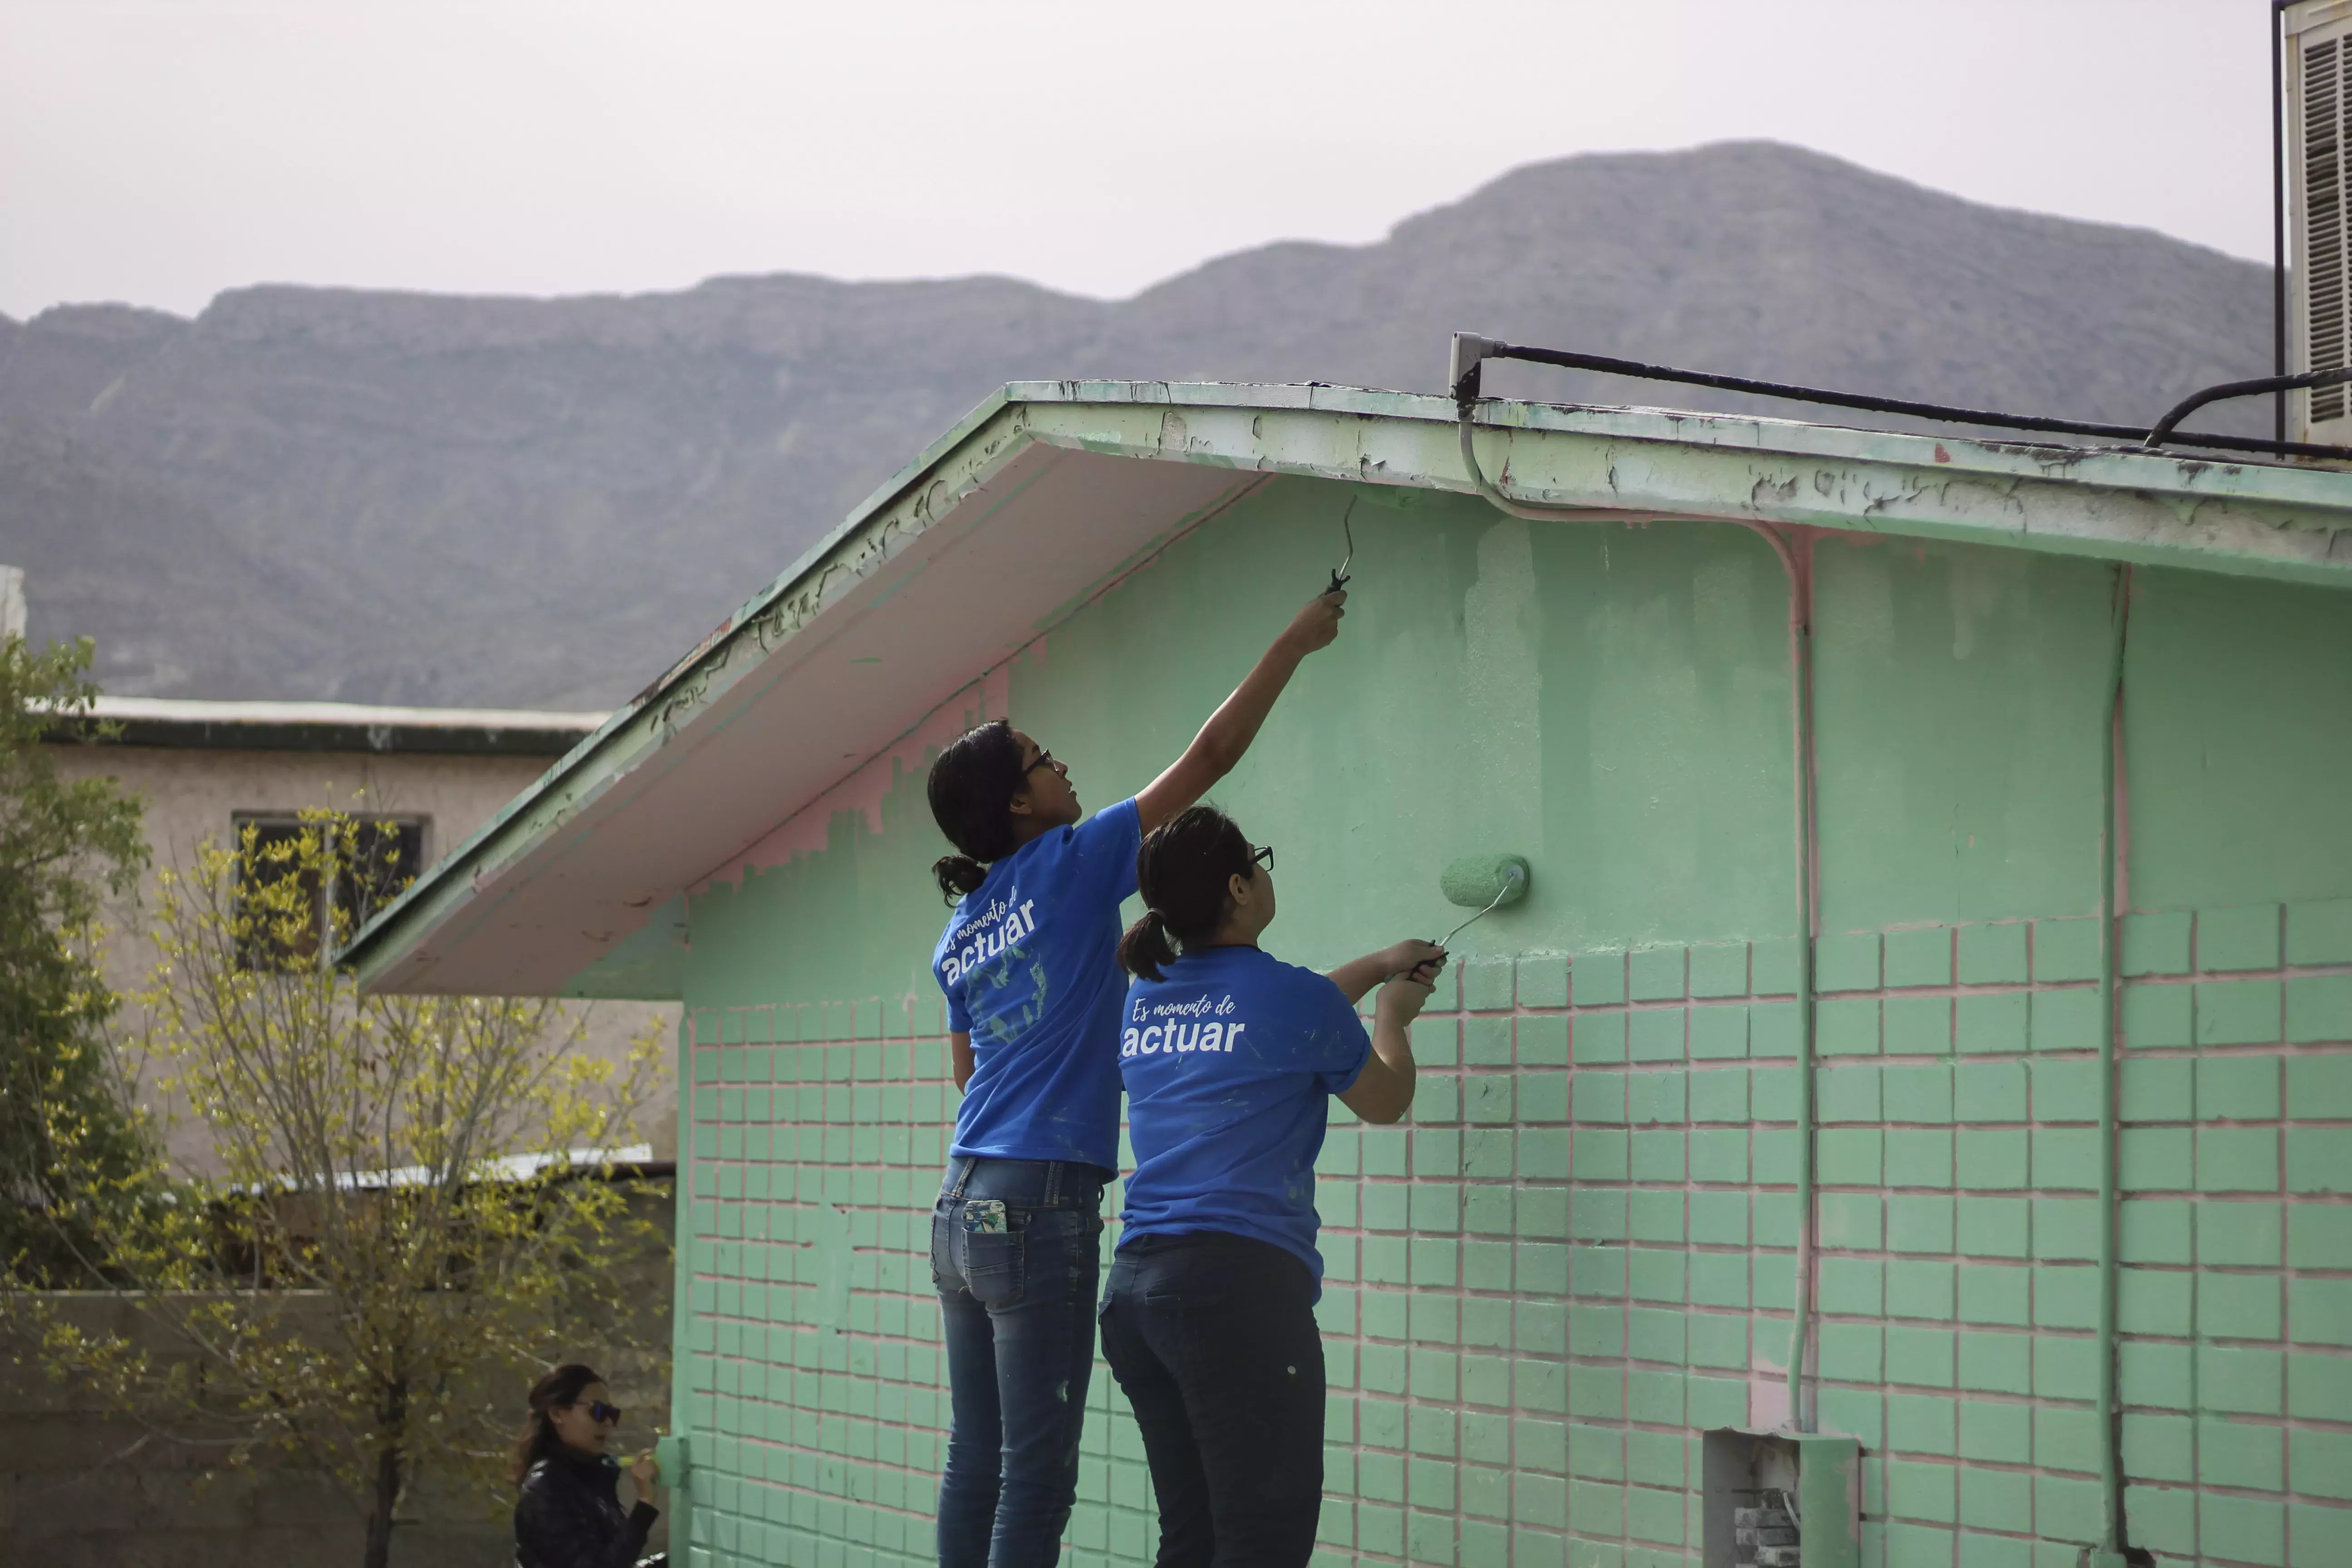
x=1959 y=1162
x=2236 y=1164
x=1575 y=1253
x=811 y=1376
x=1579 y=1251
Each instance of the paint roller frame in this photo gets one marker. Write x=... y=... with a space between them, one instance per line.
x=1499 y=879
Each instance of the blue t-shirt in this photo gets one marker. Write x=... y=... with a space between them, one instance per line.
x=1030 y=965
x=1228 y=1062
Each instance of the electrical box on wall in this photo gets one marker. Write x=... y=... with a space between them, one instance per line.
x=2316 y=73
x=1780 y=1499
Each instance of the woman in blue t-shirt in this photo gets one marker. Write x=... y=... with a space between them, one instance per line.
x=1029 y=962
x=1229 y=1056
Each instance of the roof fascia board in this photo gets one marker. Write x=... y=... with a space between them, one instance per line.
x=2289 y=524
x=2302 y=485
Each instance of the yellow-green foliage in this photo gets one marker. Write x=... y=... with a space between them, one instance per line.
x=63 y=843
x=378 y=1264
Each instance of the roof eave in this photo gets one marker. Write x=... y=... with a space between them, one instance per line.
x=2286 y=522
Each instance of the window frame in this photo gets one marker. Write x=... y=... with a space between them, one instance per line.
x=319 y=951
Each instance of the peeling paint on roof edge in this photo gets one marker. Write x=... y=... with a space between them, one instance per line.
x=2290 y=523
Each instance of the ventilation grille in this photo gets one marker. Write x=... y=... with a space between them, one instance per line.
x=2326 y=87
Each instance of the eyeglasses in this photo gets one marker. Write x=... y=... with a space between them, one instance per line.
x=601 y=1412
x=1264 y=856
x=1045 y=760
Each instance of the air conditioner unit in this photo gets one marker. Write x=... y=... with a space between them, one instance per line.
x=2317 y=41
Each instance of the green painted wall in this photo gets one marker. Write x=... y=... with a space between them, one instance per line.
x=2239 y=728
x=1957 y=692
x=1612 y=703
x=1580 y=1250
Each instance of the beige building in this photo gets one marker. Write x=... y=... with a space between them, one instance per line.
x=204 y=770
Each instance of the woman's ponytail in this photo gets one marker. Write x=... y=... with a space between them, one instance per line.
x=1182 y=869
x=958 y=875
x=1145 y=948
x=972 y=786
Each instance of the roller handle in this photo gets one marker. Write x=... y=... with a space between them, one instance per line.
x=1339 y=576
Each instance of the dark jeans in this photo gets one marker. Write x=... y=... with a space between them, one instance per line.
x=1016 y=1254
x=1213 y=1339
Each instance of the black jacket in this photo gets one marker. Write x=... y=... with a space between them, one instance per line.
x=568 y=1515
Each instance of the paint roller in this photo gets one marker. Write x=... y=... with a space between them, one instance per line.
x=1484 y=883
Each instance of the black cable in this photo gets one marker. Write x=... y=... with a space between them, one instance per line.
x=1488 y=349
x=2228 y=389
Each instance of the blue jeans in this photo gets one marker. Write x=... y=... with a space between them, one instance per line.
x=1016 y=1253
x=1214 y=1339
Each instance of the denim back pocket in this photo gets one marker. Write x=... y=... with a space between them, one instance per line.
x=990 y=1253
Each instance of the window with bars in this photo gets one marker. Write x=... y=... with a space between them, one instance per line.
x=341 y=874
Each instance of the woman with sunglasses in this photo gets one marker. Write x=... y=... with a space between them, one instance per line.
x=1029 y=965
x=568 y=1515
x=1230 y=1057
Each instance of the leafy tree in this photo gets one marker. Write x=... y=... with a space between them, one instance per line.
x=408 y=1220
x=66 y=1115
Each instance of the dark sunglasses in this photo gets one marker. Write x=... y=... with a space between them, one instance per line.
x=600 y=1413
x=1264 y=856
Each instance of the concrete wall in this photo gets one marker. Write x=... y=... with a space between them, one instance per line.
x=1581 y=1248
x=81 y=1489
x=192 y=795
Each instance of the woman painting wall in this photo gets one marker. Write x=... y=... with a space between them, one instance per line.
x=1028 y=962
x=1230 y=1057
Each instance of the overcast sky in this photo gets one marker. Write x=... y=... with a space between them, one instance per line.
x=159 y=150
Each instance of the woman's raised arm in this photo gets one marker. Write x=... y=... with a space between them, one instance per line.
x=1231 y=728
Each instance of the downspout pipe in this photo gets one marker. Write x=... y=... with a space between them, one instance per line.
x=674 y=1453
x=1800 y=637
x=2111 y=1552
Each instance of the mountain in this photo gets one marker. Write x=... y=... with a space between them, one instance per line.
x=396 y=497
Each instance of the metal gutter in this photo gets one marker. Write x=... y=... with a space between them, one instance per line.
x=2294 y=484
